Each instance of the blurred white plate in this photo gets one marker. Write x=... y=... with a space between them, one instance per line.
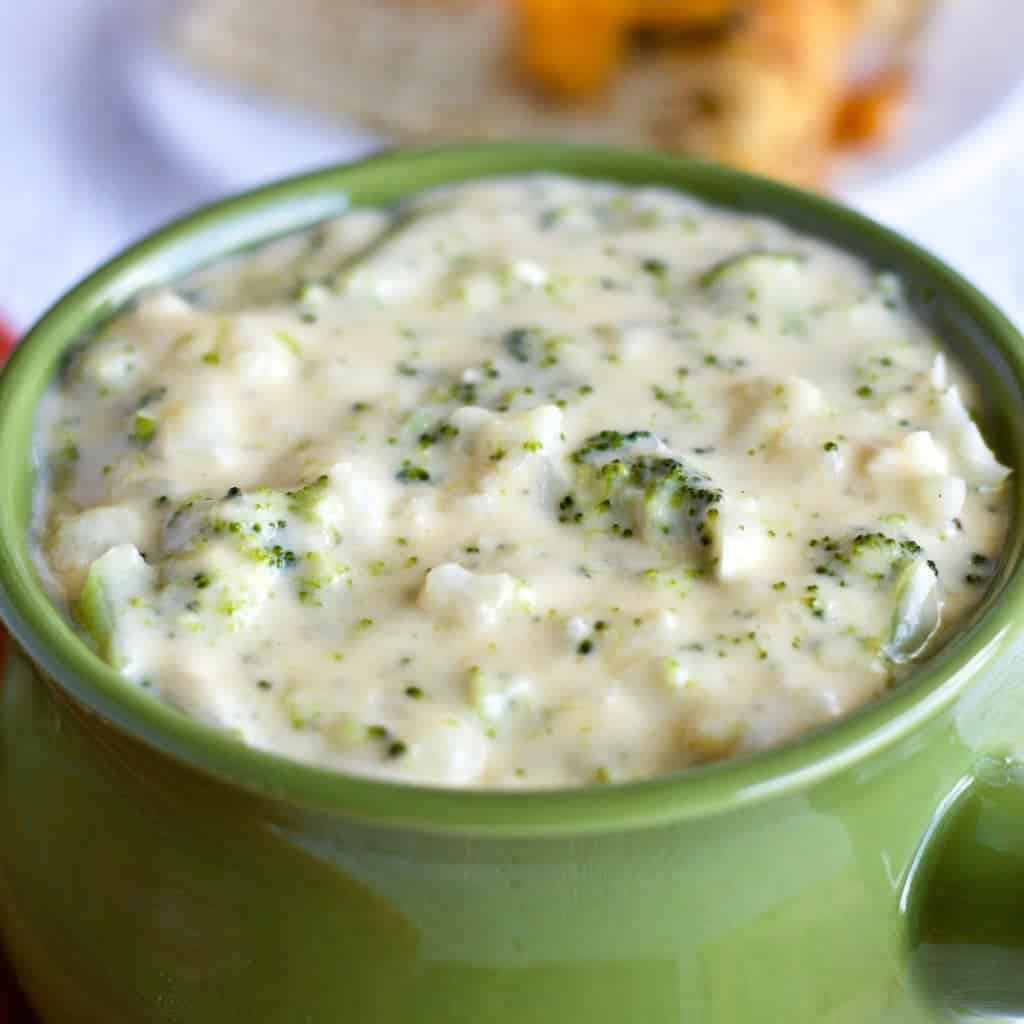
x=966 y=112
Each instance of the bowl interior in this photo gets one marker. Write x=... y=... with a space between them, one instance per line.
x=968 y=324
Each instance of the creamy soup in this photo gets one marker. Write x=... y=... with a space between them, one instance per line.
x=529 y=482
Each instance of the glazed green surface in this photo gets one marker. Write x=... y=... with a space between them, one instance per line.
x=153 y=870
x=136 y=890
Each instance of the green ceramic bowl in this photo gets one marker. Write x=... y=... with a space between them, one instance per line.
x=151 y=870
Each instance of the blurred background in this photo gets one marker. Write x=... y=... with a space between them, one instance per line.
x=120 y=114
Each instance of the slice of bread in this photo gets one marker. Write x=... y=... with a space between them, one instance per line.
x=763 y=95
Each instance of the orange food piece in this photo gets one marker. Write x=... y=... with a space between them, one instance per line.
x=767 y=91
x=868 y=113
x=679 y=13
x=572 y=47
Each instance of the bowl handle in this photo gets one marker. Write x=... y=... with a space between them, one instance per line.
x=965 y=899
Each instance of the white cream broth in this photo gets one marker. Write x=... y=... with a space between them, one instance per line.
x=531 y=482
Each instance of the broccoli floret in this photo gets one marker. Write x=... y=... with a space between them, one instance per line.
x=521 y=343
x=304 y=500
x=596 y=447
x=871 y=555
x=902 y=576
x=256 y=523
x=628 y=485
x=439 y=433
x=143 y=428
x=410 y=473
x=532 y=345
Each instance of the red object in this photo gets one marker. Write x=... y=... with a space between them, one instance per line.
x=7 y=340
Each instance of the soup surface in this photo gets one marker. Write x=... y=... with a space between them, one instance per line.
x=528 y=482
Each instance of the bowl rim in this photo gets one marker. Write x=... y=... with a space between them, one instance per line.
x=258 y=215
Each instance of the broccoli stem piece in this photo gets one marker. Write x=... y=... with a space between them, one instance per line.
x=723 y=269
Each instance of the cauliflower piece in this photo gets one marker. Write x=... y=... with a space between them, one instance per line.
x=195 y=689
x=446 y=750
x=114 y=364
x=353 y=495
x=162 y=303
x=940 y=499
x=476 y=600
x=518 y=435
x=201 y=427
x=399 y=264
x=921 y=467
x=506 y=451
x=257 y=353
x=479 y=291
x=79 y=540
x=917 y=455
x=974 y=458
x=645 y=650
x=638 y=339
x=765 y=406
x=530 y=272
x=471 y=421
x=495 y=696
x=741 y=542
